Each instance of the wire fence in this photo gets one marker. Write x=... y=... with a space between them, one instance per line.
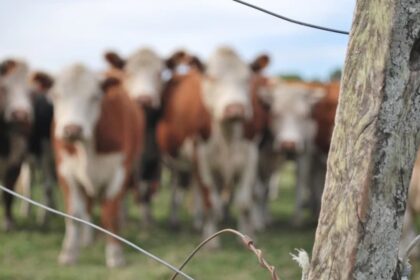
x=292 y=20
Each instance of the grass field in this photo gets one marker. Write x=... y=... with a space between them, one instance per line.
x=30 y=252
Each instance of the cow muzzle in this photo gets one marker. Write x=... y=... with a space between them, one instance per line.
x=20 y=116
x=73 y=132
x=234 y=112
x=289 y=148
x=144 y=101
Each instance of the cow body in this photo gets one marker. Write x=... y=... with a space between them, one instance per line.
x=185 y=122
x=16 y=117
x=40 y=158
x=142 y=75
x=97 y=142
x=228 y=160
x=290 y=134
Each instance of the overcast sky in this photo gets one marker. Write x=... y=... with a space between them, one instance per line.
x=53 y=33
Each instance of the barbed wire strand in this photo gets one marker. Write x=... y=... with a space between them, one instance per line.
x=292 y=20
x=248 y=242
x=134 y=246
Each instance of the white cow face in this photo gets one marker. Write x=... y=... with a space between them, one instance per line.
x=226 y=86
x=291 y=123
x=143 y=81
x=15 y=93
x=76 y=97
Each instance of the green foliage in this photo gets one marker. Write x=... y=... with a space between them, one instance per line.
x=291 y=77
x=335 y=75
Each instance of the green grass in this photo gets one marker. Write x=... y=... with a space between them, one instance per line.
x=30 y=252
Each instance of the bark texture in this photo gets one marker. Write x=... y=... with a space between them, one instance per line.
x=373 y=146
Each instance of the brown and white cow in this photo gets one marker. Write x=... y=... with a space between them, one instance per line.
x=143 y=78
x=291 y=134
x=204 y=124
x=16 y=116
x=97 y=142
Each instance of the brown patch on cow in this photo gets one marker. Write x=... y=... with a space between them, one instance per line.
x=260 y=120
x=110 y=82
x=120 y=125
x=42 y=81
x=175 y=59
x=195 y=63
x=114 y=60
x=7 y=66
x=260 y=63
x=184 y=113
x=110 y=214
x=324 y=115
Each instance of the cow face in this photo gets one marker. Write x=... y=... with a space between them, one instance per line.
x=226 y=86
x=77 y=95
x=291 y=107
x=15 y=93
x=143 y=80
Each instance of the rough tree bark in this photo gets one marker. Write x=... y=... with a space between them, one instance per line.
x=373 y=147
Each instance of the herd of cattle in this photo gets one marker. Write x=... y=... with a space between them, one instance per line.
x=221 y=127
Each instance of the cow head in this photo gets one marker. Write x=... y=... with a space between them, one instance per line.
x=15 y=92
x=226 y=86
x=143 y=74
x=291 y=107
x=77 y=95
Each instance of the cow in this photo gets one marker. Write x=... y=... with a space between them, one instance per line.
x=290 y=134
x=16 y=117
x=143 y=74
x=97 y=140
x=39 y=159
x=203 y=132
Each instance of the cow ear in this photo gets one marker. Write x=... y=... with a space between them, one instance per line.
x=114 y=60
x=175 y=59
x=110 y=82
x=195 y=62
x=42 y=80
x=7 y=66
x=260 y=63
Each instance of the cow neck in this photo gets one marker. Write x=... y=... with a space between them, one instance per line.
x=107 y=132
x=229 y=132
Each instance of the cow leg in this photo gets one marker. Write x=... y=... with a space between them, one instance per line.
x=244 y=200
x=317 y=187
x=198 y=206
x=303 y=172
x=110 y=219
x=76 y=205
x=147 y=190
x=11 y=175
x=211 y=199
x=176 y=197
x=23 y=185
x=259 y=212
x=47 y=169
x=87 y=233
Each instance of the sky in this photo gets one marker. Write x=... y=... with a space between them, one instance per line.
x=51 y=34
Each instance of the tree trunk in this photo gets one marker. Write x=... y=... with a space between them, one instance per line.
x=373 y=146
